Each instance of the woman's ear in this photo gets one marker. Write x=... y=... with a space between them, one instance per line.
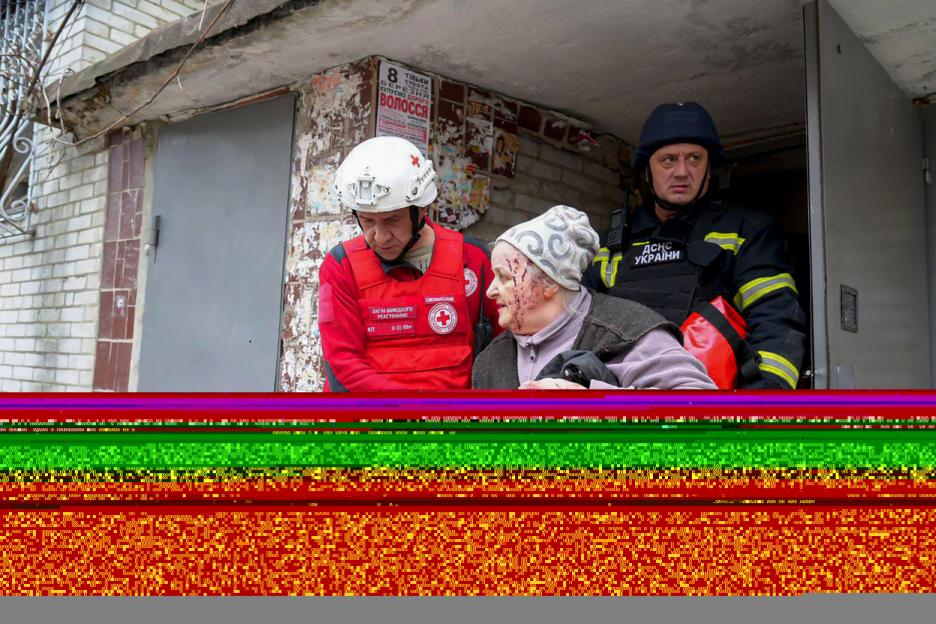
x=550 y=291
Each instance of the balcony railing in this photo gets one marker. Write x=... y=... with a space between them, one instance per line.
x=21 y=24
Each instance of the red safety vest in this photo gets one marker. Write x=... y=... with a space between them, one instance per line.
x=418 y=333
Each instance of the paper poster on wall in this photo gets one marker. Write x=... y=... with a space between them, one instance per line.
x=478 y=139
x=404 y=100
x=506 y=146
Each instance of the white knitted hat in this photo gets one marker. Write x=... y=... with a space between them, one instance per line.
x=560 y=242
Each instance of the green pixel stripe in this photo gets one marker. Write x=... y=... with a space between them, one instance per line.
x=663 y=449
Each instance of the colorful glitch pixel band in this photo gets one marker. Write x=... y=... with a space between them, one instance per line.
x=589 y=493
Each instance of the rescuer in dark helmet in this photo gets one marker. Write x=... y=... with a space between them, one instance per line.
x=714 y=269
x=683 y=128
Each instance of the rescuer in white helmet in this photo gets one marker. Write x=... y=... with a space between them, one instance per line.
x=402 y=305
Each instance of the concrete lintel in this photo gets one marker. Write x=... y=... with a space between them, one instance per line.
x=182 y=32
x=93 y=99
x=593 y=65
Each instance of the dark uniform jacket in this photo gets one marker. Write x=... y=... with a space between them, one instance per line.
x=714 y=249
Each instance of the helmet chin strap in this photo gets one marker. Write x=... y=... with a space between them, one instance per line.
x=666 y=205
x=418 y=224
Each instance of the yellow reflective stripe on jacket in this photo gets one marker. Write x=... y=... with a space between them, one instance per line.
x=726 y=240
x=608 y=266
x=779 y=366
x=609 y=274
x=755 y=290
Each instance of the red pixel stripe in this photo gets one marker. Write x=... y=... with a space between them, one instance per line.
x=467 y=492
x=770 y=550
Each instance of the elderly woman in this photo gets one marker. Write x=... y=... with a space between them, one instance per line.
x=560 y=331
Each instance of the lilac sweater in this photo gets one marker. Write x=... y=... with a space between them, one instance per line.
x=656 y=361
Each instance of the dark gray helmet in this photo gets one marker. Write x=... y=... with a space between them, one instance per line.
x=679 y=122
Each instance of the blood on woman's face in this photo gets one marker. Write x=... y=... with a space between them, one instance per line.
x=514 y=289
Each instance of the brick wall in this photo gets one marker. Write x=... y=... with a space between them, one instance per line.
x=123 y=226
x=49 y=283
x=102 y=27
x=68 y=51
x=502 y=161
x=545 y=176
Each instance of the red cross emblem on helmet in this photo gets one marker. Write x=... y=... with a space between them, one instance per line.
x=414 y=160
x=443 y=318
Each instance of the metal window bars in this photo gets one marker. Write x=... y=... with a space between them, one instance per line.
x=21 y=22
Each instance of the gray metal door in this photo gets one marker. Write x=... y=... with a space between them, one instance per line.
x=867 y=218
x=929 y=148
x=214 y=284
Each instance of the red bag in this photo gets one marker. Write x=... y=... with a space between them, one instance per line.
x=715 y=333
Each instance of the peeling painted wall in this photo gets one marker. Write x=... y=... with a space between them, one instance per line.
x=499 y=161
x=334 y=114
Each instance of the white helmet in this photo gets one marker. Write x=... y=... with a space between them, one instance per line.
x=384 y=174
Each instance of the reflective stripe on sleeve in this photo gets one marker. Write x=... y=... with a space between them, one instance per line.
x=601 y=259
x=757 y=289
x=609 y=271
x=608 y=265
x=726 y=240
x=779 y=366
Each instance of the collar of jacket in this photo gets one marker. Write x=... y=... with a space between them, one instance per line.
x=577 y=308
x=644 y=221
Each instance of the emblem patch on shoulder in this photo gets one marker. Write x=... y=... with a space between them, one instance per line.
x=443 y=318
x=471 y=282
